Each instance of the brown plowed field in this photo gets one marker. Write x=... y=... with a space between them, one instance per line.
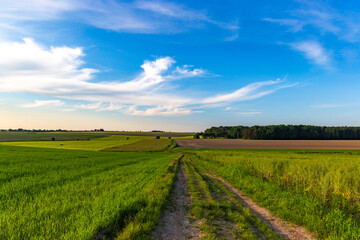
x=269 y=144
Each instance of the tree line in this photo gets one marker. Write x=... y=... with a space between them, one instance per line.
x=282 y=132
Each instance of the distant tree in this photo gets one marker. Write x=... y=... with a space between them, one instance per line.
x=282 y=132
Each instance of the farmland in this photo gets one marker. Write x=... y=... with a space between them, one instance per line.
x=269 y=144
x=139 y=187
x=94 y=144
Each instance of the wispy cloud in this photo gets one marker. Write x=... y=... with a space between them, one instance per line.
x=160 y=111
x=320 y=16
x=313 y=51
x=44 y=103
x=69 y=110
x=57 y=72
x=294 y=24
x=90 y=106
x=131 y=16
x=249 y=92
x=328 y=105
x=250 y=113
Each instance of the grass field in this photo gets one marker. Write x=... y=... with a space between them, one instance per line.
x=115 y=187
x=316 y=189
x=70 y=194
x=82 y=135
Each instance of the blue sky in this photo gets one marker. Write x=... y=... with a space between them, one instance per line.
x=178 y=65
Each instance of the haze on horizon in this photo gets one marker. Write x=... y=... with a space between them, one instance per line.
x=178 y=65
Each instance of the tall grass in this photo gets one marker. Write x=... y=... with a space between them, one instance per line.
x=317 y=189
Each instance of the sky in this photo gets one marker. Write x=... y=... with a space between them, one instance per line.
x=178 y=65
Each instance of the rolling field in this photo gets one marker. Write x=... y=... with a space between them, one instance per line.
x=94 y=144
x=121 y=187
x=47 y=136
x=150 y=145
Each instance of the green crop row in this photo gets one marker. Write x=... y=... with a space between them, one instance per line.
x=72 y=194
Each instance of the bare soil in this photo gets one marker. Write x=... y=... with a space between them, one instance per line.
x=281 y=227
x=269 y=144
x=175 y=224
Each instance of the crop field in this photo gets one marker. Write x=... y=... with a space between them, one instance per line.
x=139 y=187
x=152 y=145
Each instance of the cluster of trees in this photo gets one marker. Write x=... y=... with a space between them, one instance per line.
x=34 y=130
x=282 y=132
x=98 y=130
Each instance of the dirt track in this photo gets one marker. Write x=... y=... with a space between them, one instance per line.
x=175 y=224
x=269 y=144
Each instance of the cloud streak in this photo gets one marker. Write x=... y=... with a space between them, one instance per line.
x=44 y=103
x=249 y=92
x=150 y=17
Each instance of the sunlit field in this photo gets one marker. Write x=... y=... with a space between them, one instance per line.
x=93 y=144
x=316 y=189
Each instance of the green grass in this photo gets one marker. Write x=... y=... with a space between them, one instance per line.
x=153 y=145
x=221 y=213
x=47 y=136
x=72 y=194
x=94 y=144
x=316 y=189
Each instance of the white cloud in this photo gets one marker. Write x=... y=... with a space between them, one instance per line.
x=111 y=107
x=90 y=106
x=249 y=92
x=28 y=67
x=313 y=51
x=44 y=103
x=186 y=71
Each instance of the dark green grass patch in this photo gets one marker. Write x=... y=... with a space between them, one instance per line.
x=72 y=194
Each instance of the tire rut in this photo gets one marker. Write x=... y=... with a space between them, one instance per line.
x=174 y=223
x=281 y=227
